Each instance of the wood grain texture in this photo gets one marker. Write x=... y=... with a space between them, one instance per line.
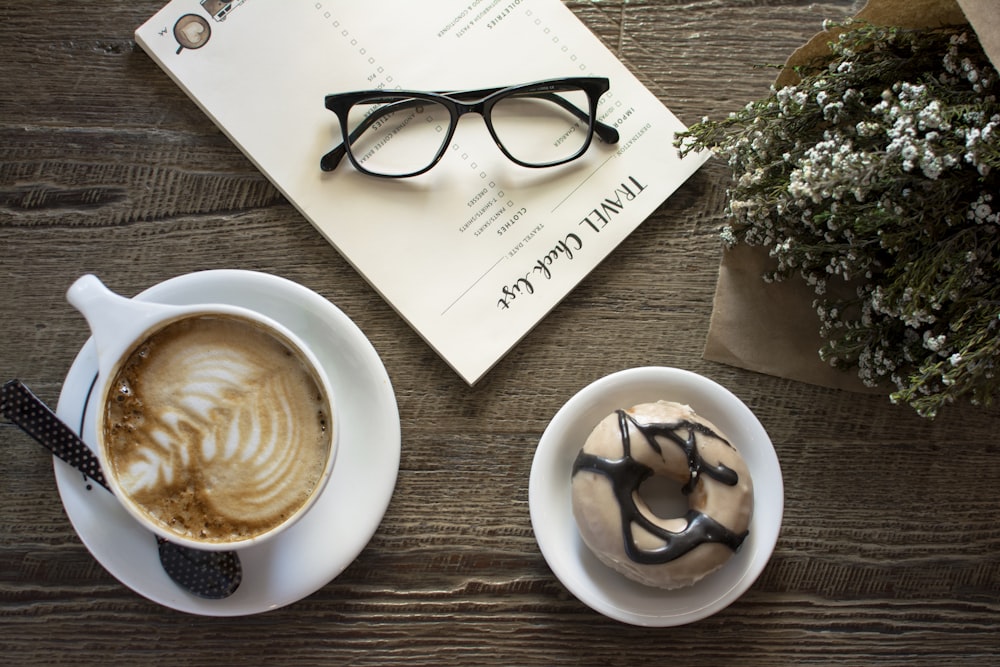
x=890 y=546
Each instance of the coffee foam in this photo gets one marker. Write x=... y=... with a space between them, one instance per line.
x=217 y=429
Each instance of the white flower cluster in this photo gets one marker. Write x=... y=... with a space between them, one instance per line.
x=915 y=124
x=981 y=211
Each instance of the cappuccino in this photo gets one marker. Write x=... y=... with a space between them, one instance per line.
x=216 y=428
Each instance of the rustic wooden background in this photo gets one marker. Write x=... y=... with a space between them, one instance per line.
x=890 y=547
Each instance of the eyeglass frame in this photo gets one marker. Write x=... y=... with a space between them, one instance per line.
x=482 y=102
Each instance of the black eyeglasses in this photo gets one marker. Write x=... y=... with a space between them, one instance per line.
x=401 y=133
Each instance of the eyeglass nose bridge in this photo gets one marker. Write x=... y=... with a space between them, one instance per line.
x=463 y=108
x=482 y=108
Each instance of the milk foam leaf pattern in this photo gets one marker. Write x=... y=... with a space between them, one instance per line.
x=237 y=432
x=211 y=575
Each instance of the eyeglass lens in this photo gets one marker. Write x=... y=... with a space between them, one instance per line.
x=539 y=129
x=401 y=136
x=404 y=135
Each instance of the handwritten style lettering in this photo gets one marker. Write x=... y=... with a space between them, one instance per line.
x=566 y=249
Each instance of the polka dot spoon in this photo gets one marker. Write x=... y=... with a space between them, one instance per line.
x=208 y=574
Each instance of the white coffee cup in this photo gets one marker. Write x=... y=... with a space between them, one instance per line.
x=216 y=426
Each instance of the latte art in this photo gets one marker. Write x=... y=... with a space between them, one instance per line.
x=217 y=429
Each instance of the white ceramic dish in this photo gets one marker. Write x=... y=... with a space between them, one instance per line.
x=594 y=583
x=319 y=547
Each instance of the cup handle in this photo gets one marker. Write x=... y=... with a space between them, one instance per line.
x=114 y=320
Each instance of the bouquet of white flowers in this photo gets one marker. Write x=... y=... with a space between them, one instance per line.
x=878 y=171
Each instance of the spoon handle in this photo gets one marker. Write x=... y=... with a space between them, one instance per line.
x=22 y=407
x=213 y=575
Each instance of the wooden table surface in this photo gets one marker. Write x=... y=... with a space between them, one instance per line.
x=889 y=551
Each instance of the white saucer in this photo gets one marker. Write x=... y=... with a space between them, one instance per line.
x=322 y=544
x=550 y=500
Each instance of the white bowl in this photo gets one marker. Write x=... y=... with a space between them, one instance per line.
x=602 y=588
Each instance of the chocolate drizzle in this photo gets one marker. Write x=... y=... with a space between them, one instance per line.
x=627 y=474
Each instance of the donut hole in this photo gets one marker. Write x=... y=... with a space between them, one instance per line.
x=664 y=497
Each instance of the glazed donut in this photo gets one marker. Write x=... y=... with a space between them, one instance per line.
x=667 y=439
